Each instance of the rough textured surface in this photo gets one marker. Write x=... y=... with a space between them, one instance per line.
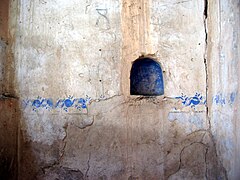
x=9 y=115
x=3 y=42
x=223 y=55
x=72 y=63
x=62 y=173
x=9 y=104
x=6 y=56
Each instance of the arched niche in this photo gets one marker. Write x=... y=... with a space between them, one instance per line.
x=146 y=78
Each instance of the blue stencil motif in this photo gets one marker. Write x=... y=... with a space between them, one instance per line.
x=65 y=103
x=232 y=97
x=192 y=101
x=221 y=99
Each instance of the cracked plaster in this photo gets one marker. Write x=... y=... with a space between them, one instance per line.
x=87 y=48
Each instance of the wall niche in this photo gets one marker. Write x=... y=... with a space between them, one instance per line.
x=146 y=77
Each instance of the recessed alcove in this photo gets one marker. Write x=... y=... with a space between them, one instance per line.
x=146 y=78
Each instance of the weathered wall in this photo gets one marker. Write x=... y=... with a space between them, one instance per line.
x=223 y=56
x=6 y=56
x=78 y=120
x=9 y=116
x=3 y=40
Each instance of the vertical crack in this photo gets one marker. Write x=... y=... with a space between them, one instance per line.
x=62 y=152
x=88 y=166
x=206 y=164
x=205 y=9
x=220 y=168
x=205 y=16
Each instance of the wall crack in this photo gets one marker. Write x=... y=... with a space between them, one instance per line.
x=176 y=3
x=181 y=153
x=88 y=166
x=62 y=152
x=205 y=16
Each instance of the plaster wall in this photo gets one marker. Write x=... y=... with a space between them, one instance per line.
x=6 y=55
x=8 y=138
x=72 y=64
x=223 y=56
x=3 y=40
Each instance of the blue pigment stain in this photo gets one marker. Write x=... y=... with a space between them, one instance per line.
x=146 y=78
x=84 y=106
x=224 y=99
x=195 y=101
x=219 y=99
x=81 y=101
x=232 y=97
x=50 y=102
x=36 y=103
x=68 y=103
x=58 y=104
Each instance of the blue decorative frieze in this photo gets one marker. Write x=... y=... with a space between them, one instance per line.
x=62 y=103
x=222 y=99
x=198 y=99
x=192 y=101
x=72 y=102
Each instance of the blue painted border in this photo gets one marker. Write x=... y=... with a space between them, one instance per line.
x=82 y=103
x=62 y=103
x=192 y=101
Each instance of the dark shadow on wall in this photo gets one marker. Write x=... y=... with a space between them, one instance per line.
x=17 y=154
x=6 y=55
x=10 y=114
x=8 y=138
x=17 y=158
